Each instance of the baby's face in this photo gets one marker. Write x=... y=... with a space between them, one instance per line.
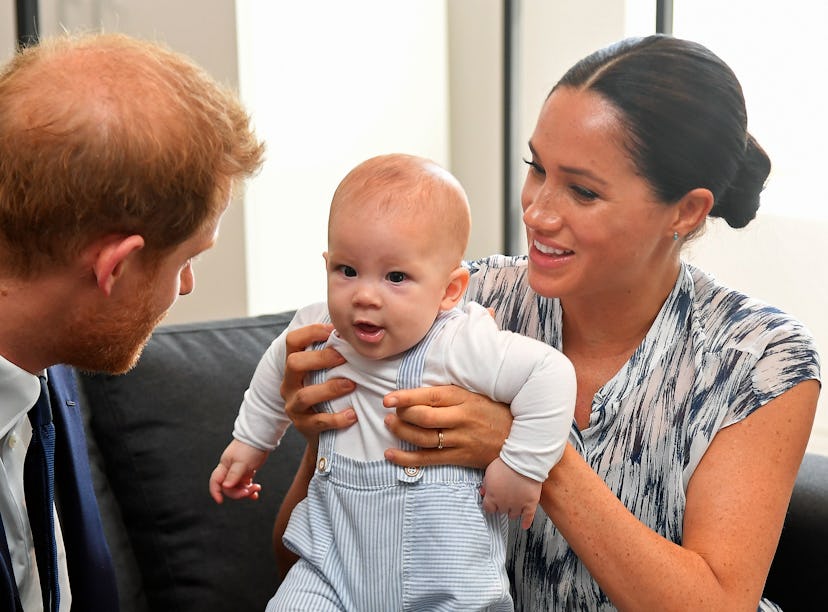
x=386 y=279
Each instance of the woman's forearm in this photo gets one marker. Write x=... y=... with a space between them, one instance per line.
x=297 y=492
x=635 y=567
x=735 y=507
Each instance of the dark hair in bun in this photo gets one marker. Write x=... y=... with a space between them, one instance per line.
x=684 y=114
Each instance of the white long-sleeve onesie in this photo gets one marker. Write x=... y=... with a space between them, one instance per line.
x=470 y=351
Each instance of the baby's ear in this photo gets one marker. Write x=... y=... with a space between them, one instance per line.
x=456 y=287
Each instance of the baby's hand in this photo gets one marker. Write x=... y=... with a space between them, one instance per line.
x=506 y=491
x=234 y=474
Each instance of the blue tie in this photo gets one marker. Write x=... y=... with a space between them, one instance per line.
x=39 y=486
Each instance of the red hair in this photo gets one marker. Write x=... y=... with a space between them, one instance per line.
x=105 y=134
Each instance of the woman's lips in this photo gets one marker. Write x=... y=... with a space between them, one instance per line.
x=547 y=256
x=550 y=250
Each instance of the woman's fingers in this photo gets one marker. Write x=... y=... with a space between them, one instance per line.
x=302 y=337
x=470 y=428
x=437 y=446
x=300 y=399
x=313 y=423
x=300 y=407
x=445 y=456
x=402 y=428
x=299 y=363
x=443 y=397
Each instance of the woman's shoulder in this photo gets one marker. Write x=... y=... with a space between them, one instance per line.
x=728 y=315
x=494 y=275
x=494 y=263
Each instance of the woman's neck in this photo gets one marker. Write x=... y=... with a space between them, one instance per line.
x=613 y=323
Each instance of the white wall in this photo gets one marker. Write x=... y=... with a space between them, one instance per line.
x=330 y=84
x=779 y=260
x=221 y=273
x=475 y=54
x=8 y=29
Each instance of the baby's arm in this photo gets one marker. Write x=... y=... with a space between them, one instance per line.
x=233 y=476
x=261 y=421
x=506 y=491
x=538 y=383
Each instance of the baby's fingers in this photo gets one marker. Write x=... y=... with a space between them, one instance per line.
x=216 y=479
x=528 y=516
x=250 y=491
x=490 y=506
x=237 y=473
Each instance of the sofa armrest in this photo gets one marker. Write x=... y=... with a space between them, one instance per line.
x=156 y=433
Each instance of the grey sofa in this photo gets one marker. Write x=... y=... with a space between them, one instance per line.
x=156 y=433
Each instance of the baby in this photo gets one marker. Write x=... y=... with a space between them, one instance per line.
x=397 y=232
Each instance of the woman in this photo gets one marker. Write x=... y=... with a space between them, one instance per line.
x=694 y=402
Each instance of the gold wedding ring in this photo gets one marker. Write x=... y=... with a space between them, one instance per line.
x=439 y=439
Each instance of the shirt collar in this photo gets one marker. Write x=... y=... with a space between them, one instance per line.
x=665 y=333
x=19 y=391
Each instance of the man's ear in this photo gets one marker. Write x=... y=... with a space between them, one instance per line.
x=456 y=287
x=109 y=255
x=691 y=210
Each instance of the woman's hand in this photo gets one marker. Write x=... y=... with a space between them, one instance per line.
x=299 y=398
x=450 y=424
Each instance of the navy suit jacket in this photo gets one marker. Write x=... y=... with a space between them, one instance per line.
x=91 y=571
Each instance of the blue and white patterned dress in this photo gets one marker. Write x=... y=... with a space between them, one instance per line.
x=711 y=358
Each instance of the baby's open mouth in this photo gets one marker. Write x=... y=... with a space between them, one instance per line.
x=368 y=332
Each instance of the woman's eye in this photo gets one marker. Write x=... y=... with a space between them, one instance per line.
x=347 y=271
x=582 y=193
x=396 y=277
x=534 y=166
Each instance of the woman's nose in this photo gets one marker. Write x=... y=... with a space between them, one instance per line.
x=543 y=211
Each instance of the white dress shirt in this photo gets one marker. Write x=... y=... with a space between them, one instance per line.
x=19 y=391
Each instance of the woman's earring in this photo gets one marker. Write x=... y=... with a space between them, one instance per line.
x=675 y=236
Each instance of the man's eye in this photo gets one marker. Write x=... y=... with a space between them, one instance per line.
x=396 y=277
x=347 y=271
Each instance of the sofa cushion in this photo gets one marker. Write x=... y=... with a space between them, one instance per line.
x=160 y=430
x=800 y=565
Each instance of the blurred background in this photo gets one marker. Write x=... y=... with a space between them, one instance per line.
x=330 y=83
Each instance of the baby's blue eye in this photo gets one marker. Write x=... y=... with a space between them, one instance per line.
x=396 y=277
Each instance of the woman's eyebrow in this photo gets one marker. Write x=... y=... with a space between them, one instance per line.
x=571 y=169
x=582 y=172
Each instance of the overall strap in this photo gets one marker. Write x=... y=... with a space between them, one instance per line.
x=410 y=376
x=326 y=438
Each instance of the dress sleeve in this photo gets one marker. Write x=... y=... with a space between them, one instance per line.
x=787 y=357
x=536 y=380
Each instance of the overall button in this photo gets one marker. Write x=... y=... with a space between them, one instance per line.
x=323 y=462
x=412 y=470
